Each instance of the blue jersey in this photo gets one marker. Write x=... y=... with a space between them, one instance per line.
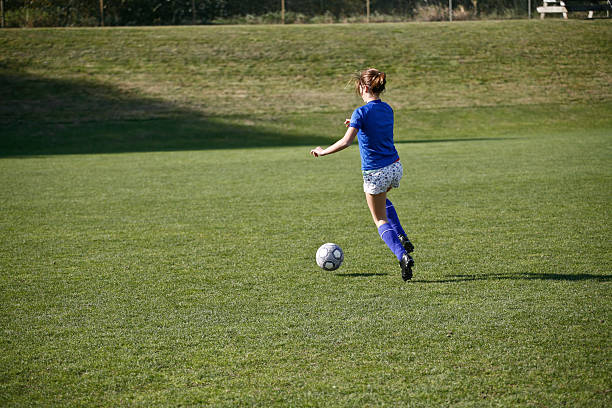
x=375 y=124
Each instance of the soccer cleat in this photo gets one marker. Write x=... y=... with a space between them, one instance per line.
x=406 y=243
x=406 y=264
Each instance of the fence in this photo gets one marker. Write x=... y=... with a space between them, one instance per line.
x=38 y=13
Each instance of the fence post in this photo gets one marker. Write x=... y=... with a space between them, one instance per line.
x=282 y=11
x=2 y=13
x=529 y=9
x=101 y=13
x=450 y=10
x=367 y=11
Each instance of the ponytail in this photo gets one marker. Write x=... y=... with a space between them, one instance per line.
x=378 y=83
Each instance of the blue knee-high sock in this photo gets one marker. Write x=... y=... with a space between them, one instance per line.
x=394 y=219
x=388 y=234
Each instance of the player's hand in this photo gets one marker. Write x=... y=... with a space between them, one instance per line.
x=317 y=151
x=347 y=122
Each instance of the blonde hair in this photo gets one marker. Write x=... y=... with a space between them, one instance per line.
x=374 y=79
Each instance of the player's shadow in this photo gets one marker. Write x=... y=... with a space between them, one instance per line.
x=44 y=116
x=520 y=276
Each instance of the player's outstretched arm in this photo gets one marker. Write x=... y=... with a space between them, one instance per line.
x=341 y=144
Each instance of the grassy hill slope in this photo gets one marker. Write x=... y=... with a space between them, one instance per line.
x=275 y=85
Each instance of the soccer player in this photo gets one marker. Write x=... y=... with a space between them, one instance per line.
x=382 y=170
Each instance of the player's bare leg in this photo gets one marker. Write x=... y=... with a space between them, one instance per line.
x=378 y=208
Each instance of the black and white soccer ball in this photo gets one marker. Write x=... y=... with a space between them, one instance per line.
x=329 y=256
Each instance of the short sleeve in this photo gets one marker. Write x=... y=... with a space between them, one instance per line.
x=357 y=119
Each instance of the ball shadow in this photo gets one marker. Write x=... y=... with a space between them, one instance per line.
x=360 y=275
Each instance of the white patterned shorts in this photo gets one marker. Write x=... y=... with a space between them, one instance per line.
x=380 y=180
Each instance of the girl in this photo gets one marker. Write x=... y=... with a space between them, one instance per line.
x=380 y=165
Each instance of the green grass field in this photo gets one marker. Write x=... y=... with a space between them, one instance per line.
x=160 y=216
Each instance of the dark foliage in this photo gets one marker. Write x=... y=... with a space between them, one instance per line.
x=173 y=12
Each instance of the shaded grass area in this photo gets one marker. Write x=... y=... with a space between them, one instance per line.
x=55 y=116
x=63 y=117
